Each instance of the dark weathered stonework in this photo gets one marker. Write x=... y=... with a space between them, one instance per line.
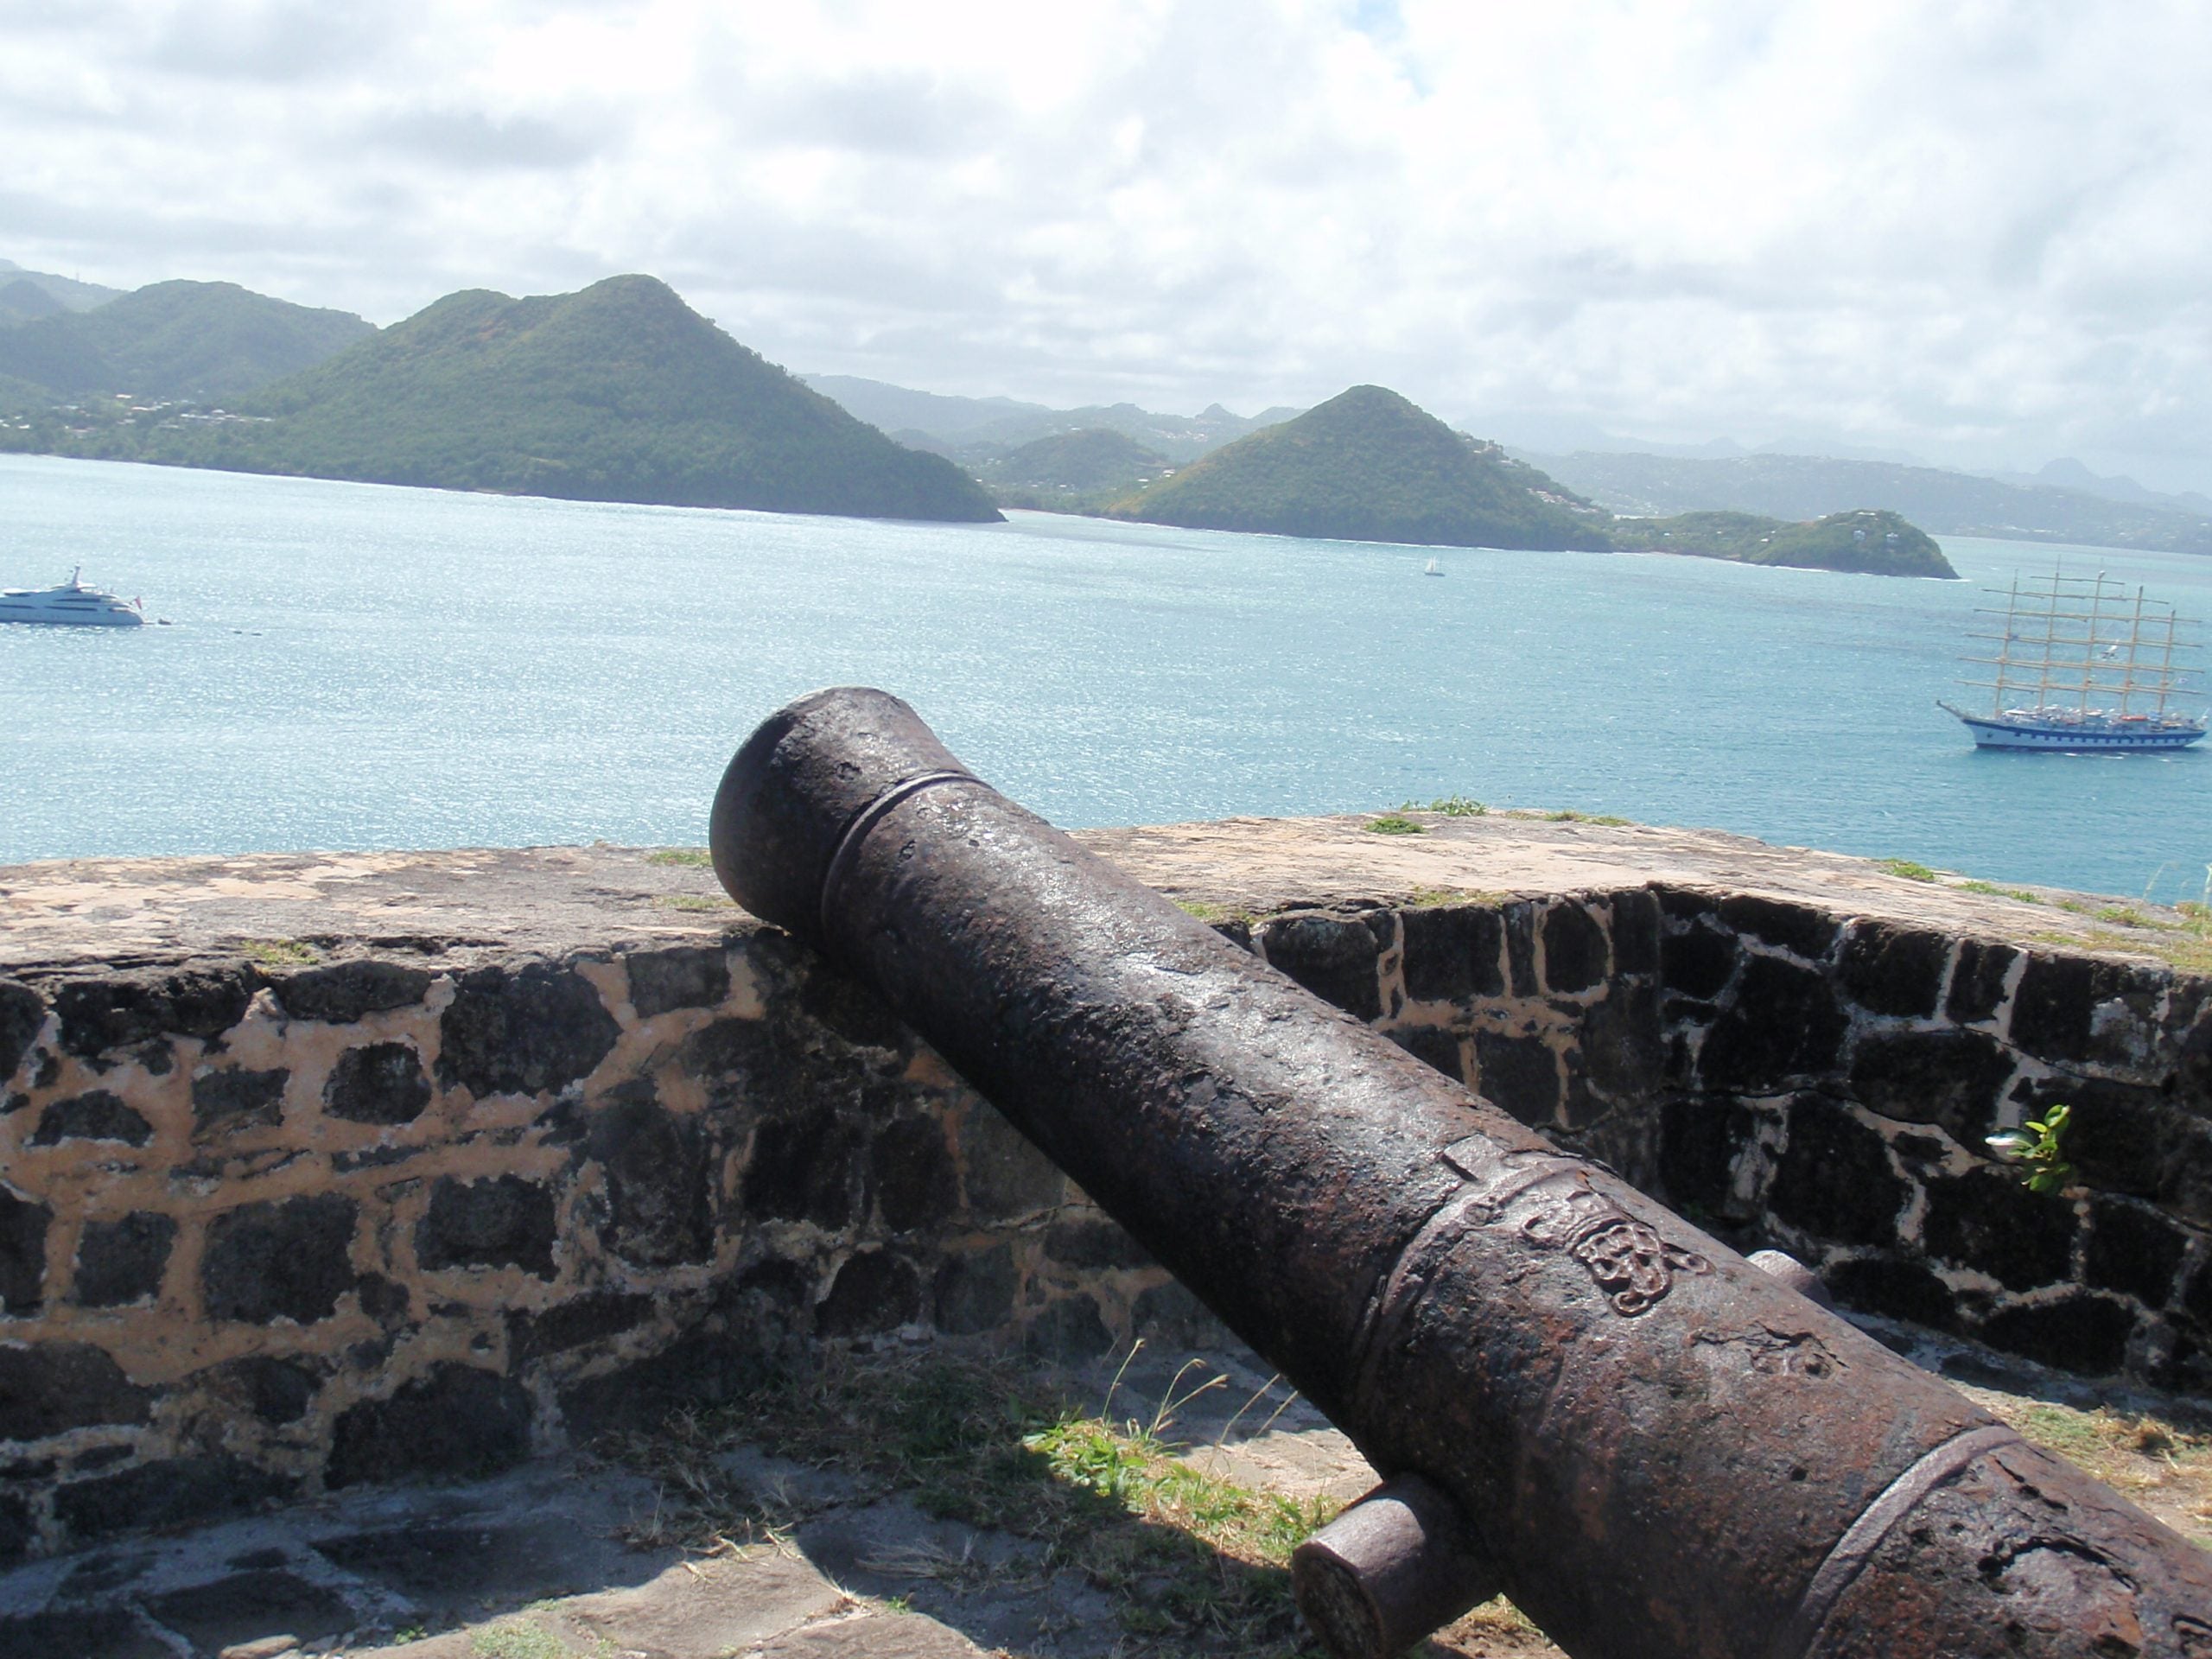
x=438 y=1210
x=377 y=1082
x=289 y=1259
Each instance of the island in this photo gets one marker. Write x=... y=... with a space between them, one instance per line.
x=1370 y=466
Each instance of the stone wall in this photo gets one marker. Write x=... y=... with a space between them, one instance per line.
x=268 y=1232
x=1787 y=1075
x=283 y=1211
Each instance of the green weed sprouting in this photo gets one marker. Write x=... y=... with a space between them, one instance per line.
x=1908 y=869
x=1391 y=823
x=2035 y=1148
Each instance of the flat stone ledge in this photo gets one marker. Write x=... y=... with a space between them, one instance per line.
x=472 y=905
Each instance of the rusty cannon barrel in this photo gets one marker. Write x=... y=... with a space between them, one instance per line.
x=1654 y=1448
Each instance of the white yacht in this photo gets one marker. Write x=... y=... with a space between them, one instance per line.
x=71 y=605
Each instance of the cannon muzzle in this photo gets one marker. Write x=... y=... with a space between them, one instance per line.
x=1657 y=1450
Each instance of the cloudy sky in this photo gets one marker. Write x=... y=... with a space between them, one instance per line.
x=1973 y=232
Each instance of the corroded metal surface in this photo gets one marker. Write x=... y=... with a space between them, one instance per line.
x=1665 y=1450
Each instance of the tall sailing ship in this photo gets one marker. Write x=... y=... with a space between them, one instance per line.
x=2080 y=665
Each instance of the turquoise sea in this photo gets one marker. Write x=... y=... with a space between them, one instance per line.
x=355 y=666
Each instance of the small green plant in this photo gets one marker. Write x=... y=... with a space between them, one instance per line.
x=1392 y=824
x=1907 y=869
x=412 y=1633
x=2019 y=895
x=689 y=858
x=2125 y=915
x=1568 y=814
x=1210 y=914
x=517 y=1639
x=1448 y=806
x=2035 y=1148
x=693 y=901
x=282 y=953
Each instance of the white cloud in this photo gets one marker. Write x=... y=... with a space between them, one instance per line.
x=1973 y=230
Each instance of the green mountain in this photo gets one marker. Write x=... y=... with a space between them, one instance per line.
x=1368 y=466
x=1945 y=503
x=1069 y=472
x=74 y=295
x=620 y=392
x=24 y=301
x=197 y=342
x=1878 y=544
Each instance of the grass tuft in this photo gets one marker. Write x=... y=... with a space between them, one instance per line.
x=2020 y=895
x=1907 y=869
x=282 y=953
x=1392 y=824
x=690 y=858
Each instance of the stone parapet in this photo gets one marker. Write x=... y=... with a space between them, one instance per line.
x=317 y=1171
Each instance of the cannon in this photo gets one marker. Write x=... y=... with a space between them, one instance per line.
x=1657 y=1449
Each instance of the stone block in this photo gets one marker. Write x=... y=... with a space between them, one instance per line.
x=1635 y=931
x=1834 y=1179
x=50 y=1388
x=1520 y=919
x=175 y=1492
x=538 y=1027
x=1799 y=929
x=97 y=1115
x=916 y=1182
x=1521 y=1074
x=805 y=1168
x=974 y=1291
x=664 y=981
x=2121 y=1138
x=21 y=1013
x=377 y=1082
x=1575 y=955
x=1894 y=1289
x=502 y=1222
x=1953 y=1078
x=121 y=1261
x=701 y=1369
x=275 y=1391
x=1701 y=1137
x=874 y=1291
x=2083 y=1333
x=1333 y=957
x=2071 y=1010
x=1433 y=1046
x=1452 y=953
x=453 y=1421
x=1698 y=963
x=1623 y=1045
x=345 y=992
x=246 y=1607
x=576 y=1323
x=1068 y=1329
x=1784 y=1024
x=100 y=1014
x=1978 y=981
x=1005 y=1176
x=661 y=1175
x=1894 y=971
x=290 y=1259
x=24 y=1222
x=1988 y=1220
x=2134 y=1249
x=229 y=1100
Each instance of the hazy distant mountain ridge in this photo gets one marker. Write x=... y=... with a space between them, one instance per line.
x=74 y=295
x=1071 y=471
x=961 y=426
x=1798 y=487
x=618 y=392
x=184 y=341
x=1369 y=466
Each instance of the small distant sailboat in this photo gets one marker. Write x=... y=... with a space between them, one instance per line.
x=2082 y=669
x=1433 y=567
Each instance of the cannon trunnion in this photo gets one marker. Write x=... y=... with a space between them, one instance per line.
x=1655 y=1448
